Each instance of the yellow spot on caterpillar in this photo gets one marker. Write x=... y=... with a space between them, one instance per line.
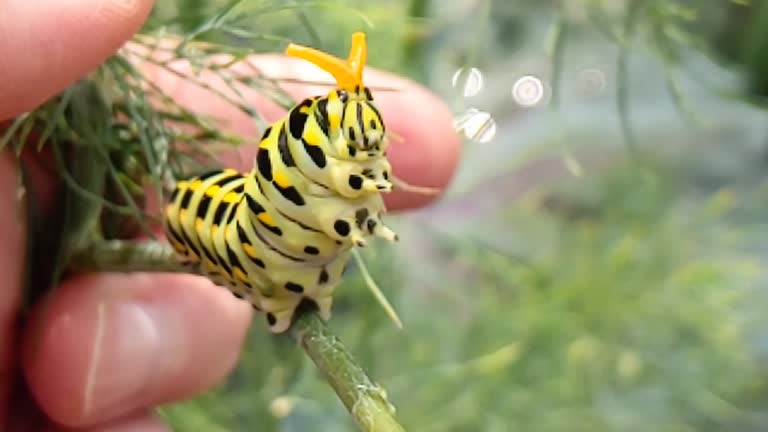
x=240 y=274
x=231 y=197
x=264 y=143
x=368 y=116
x=182 y=184
x=266 y=218
x=182 y=213
x=230 y=171
x=281 y=179
x=199 y=224
x=311 y=137
x=334 y=120
x=213 y=190
x=195 y=185
x=169 y=212
x=249 y=250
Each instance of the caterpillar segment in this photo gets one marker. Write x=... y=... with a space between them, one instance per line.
x=284 y=232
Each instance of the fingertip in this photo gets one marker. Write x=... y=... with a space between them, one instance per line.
x=142 y=422
x=110 y=344
x=59 y=34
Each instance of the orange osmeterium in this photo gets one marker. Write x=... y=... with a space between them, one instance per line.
x=349 y=73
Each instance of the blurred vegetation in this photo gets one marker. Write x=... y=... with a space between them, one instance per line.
x=560 y=285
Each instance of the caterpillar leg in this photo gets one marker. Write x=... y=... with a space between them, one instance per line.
x=279 y=313
x=382 y=231
x=370 y=185
x=324 y=307
x=280 y=321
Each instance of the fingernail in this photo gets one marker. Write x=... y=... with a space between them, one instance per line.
x=135 y=343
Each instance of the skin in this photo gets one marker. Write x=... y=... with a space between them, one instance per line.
x=109 y=347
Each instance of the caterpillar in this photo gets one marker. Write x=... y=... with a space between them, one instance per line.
x=283 y=233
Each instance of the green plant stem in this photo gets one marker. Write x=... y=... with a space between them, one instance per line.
x=366 y=401
x=122 y=256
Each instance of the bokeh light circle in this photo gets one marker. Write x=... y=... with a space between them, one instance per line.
x=528 y=91
x=478 y=126
x=470 y=81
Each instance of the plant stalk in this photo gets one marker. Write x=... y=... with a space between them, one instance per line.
x=366 y=401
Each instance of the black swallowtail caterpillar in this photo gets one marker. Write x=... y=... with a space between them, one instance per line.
x=284 y=232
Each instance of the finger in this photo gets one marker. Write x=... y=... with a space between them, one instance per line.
x=47 y=45
x=427 y=156
x=12 y=232
x=109 y=344
x=136 y=423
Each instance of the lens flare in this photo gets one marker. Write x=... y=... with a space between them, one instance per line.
x=476 y=125
x=528 y=91
x=470 y=81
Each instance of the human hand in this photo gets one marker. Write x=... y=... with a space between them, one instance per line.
x=109 y=347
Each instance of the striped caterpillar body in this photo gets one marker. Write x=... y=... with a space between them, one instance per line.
x=283 y=232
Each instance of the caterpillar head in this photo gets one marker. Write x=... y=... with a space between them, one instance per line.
x=349 y=112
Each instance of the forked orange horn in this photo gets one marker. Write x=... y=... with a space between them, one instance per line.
x=358 y=54
x=348 y=74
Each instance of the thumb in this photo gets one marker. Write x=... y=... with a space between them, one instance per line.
x=110 y=345
x=48 y=45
